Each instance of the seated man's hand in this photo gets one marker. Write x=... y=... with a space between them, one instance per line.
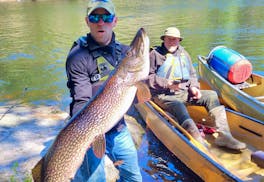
x=195 y=92
x=172 y=85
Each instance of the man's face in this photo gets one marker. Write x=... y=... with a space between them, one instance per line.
x=171 y=43
x=101 y=31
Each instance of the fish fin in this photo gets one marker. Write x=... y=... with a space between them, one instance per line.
x=143 y=92
x=99 y=146
x=36 y=171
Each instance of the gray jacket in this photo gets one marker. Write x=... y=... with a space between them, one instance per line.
x=159 y=84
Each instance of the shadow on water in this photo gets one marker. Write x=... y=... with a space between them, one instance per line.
x=25 y=134
x=162 y=165
x=157 y=163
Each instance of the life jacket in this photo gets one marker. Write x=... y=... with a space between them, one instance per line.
x=175 y=67
x=103 y=65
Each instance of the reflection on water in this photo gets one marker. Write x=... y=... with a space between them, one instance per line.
x=161 y=165
x=157 y=163
x=36 y=36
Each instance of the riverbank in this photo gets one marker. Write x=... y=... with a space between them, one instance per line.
x=26 y=132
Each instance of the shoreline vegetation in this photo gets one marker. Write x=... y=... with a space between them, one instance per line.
x=26 y=132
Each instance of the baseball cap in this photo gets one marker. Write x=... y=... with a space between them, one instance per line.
x=172 y=32
x=106 y=4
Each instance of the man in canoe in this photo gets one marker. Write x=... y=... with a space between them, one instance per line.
x=174 y=84
x=90 y=61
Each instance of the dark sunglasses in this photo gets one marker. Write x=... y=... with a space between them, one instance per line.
x=96 y=18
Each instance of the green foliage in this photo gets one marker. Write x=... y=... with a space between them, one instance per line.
x=14 y=177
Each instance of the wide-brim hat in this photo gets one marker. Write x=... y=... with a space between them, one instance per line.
x=106 y=4
x=172 y=32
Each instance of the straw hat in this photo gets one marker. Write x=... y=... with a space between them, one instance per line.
x=172 y=32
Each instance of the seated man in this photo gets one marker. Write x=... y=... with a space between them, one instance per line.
x=173 y=83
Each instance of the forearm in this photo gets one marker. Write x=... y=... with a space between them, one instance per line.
x=156 y=81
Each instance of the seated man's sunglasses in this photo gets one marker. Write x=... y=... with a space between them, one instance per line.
x=93 y=18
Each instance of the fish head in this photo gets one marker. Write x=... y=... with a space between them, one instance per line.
x=135 y=66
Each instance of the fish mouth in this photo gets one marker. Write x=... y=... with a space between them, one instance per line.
x=135 y=66
x=138 y=54
x=140 y=43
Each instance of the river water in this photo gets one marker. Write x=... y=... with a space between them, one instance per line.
x=36 y=36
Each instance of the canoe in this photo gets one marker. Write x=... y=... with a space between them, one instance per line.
x=247 y=97
x=214 y=164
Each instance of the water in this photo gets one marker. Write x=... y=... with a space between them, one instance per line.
x=36 y=36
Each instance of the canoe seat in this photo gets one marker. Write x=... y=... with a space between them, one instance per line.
x=242 y=85
x=260 y=97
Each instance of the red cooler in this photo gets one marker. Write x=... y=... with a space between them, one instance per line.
x=230 y=64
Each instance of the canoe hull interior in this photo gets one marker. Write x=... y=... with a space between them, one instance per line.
x=227 y=165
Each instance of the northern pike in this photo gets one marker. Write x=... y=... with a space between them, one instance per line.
x=98 y=116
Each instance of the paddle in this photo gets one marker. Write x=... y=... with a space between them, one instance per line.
x=181 y=129
x=175 y=123
x=144 y=95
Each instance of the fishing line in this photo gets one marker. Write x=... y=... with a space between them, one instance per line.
x=16 y=104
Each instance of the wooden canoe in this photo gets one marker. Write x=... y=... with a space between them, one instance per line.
x=219 y=164
x=247 y=98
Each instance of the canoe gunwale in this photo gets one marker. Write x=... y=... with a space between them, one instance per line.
x=244 y=115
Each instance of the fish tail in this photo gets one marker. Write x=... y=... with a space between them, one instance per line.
x=36 y=171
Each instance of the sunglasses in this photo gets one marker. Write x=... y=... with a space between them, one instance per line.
x=93 y=18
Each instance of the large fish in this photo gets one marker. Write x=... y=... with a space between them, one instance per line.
x=99 y=115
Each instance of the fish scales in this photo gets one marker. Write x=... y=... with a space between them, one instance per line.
x=98 y=116
x=85 y=131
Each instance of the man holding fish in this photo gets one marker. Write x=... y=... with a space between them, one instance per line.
x=88 y=65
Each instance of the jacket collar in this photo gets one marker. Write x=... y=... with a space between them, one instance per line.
x=93 y=45
x=163 y=50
